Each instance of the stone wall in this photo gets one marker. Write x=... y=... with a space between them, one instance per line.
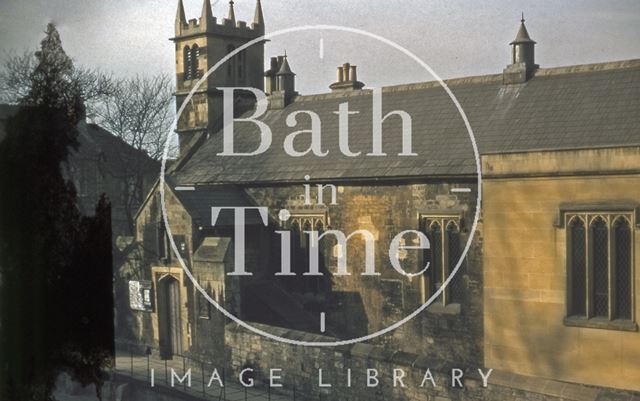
x=362 y=305
x=452 y=333
x=525 y=276
x=300 y=366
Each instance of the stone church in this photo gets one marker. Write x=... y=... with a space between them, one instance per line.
x=547 y=291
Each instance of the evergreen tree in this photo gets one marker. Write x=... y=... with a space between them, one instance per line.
x=41 y=233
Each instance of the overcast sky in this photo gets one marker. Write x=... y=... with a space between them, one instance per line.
x=455 y=37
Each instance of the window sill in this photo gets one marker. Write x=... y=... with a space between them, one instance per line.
x=439 y=309
x=600 y=323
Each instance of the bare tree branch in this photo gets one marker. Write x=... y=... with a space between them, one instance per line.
x=15 y=76
x=140 y=112
x=16 y=82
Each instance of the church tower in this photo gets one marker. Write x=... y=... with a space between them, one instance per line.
x=199 y=45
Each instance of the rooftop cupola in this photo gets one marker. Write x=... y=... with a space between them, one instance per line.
x=347 y=79
x=285 y=83
x=523 y=63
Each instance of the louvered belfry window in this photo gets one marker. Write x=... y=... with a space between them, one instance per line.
x=190 y=62
x=186 y=63
x=599 y=265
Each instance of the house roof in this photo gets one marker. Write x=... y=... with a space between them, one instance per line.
x=119 y=157
x=95 y=143
x=586 y=106
x=6 y=111
x=200 y=202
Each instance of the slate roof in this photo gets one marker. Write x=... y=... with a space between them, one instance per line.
x=118 y=156
x=212 y=249
x=587 y=106
x=95 y=143
x=200 y=202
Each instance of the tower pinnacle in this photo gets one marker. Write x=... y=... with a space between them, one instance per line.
x=232 y=13
x=206 y=15
x=258 y=19
x=181 y=19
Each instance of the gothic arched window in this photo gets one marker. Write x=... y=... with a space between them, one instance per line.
x=435 y=256
x=241 y=61
x=231 y=64
x=578 y=267
x=600 y=269
x=443 y=255
x=622 y=268
x=453 y=256
x=600 y=260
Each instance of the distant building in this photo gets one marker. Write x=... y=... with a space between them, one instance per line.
x=105 y=164
x=547 y=294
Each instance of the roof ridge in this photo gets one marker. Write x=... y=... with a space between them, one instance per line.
x=479 y=79
x=590 y=67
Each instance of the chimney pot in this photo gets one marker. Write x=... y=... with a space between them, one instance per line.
x=354 y=73
x=347 y=79
x=346 y=67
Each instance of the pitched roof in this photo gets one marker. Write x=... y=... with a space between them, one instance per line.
x=6 y=111
x=118 y=156
x=199 y=203
x=585 y=106
x=96 y=142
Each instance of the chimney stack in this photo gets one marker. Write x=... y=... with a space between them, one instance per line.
x=270 y=84
x=347 y=79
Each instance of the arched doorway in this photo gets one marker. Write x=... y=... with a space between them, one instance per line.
x=169 y=317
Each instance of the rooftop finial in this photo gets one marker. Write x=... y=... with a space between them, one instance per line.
x=522 y=20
